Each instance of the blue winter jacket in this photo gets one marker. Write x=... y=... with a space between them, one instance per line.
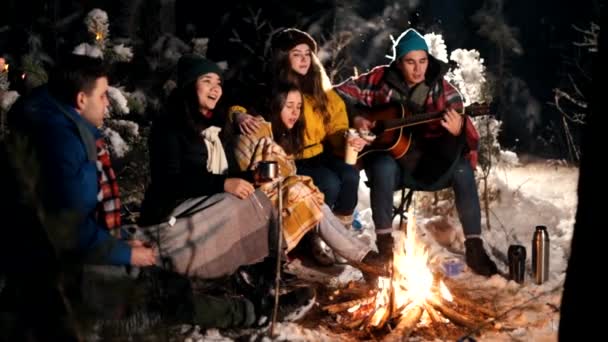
x=64 y=142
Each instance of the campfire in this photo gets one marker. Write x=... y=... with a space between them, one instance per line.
x=414 y=296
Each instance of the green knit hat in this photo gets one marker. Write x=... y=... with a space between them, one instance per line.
x=409 y=40
x=191 y=66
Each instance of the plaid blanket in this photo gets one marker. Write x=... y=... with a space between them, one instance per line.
x=302 y=200
x=108 y=197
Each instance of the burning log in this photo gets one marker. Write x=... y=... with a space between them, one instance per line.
x=339 y=307
x=433 y=314
x=406 y=325
x=451 y=314
x=402 y=298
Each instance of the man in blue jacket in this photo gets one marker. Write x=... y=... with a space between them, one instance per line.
x=62 y=120
x=65 y=198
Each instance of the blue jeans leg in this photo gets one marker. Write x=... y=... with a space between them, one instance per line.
x=467 y=198
x=348 y=175
x=325 y=179
x=383 y=176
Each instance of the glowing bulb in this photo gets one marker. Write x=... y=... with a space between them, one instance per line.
x=3 y=65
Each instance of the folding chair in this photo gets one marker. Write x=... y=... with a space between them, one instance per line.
x=407 y=194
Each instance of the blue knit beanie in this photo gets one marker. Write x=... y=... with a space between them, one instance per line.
x=191 y=66
x=409 y=40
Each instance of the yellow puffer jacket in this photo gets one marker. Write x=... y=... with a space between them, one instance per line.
x=316 y=132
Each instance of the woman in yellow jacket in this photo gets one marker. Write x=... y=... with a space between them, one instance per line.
x=294 y=61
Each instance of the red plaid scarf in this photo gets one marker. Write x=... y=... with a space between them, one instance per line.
x=108 y=197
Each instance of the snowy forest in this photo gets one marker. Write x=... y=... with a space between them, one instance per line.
x=532 y=62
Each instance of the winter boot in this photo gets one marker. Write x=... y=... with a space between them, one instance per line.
x=385 y=243
x=477 y=258
x=374 y=263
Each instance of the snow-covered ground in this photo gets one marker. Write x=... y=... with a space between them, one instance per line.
x=523 y=196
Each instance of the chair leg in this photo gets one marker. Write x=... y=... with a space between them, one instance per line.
x=404 y=205
x=401 y=207
x=408 y=199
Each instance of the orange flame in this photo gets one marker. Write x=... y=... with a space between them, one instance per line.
x=412 y=280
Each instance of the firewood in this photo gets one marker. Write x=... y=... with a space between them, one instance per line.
x=433 y=314
x=452 y=315
x=406 y=325
x=398 y=311
x=354 y=324
x=380 y=317
x=439 y=324
x=339 y=307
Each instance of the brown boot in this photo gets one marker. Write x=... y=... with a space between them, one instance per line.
x=385 y=243
x=372 y=266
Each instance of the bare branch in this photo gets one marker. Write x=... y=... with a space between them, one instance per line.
x=589 y=37
x=576 y=88
x=560 y=94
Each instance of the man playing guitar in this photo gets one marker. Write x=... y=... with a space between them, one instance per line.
x=440 y=153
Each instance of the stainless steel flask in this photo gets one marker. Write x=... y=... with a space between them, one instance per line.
x=540 y=255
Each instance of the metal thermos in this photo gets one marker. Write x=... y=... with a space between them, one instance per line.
x=517 y=263
x=540 y=255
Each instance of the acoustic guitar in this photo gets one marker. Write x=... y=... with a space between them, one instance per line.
x=392 y=122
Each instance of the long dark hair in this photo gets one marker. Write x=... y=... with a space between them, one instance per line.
x=291 y=140
x=310 y=84
x=185 y=112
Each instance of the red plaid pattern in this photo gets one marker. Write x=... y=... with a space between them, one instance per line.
x=108 y=197
x=370 y=89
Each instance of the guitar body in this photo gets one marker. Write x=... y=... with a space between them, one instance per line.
x=397 y=141
x=393 y=123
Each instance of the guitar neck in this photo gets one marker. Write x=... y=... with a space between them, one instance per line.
x=392 y=124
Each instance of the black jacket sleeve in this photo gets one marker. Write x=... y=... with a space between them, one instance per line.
x=178 y=164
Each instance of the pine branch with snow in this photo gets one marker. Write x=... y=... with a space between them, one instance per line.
x=200 y=45
x=4 y=83
x=97 y=24
x=166 y=51
x=86 y=49
x=117 y=145
x=127 y=129
x=137 y=102
x=469 y=76
x=33 y=73
x=122 y=53
x=7 y=99
x=118 y=101
x=437 y=47
x=489 y=147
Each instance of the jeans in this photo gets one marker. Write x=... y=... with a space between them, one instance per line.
x=337 y=180
x=385 y=176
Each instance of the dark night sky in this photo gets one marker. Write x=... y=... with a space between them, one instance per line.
x=544 y=28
